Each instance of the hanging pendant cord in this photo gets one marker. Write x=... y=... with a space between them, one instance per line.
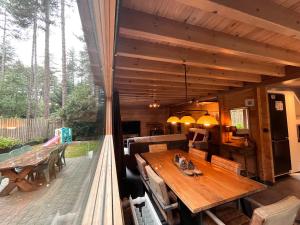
x=185 y=82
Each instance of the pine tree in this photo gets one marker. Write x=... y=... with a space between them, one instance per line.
x=25 y=14
x=63 y=59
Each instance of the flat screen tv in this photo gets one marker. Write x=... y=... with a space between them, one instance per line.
x=131 y=127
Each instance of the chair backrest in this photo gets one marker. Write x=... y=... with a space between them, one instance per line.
x=53 y=157
x=226 y=164
x=141 y=164
x=198 y=154
x=158 y=186
x=279 y=213
x=158 y=148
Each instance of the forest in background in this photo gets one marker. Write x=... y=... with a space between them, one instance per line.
x=42 y=89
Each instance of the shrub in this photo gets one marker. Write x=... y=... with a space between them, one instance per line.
x=8 y=143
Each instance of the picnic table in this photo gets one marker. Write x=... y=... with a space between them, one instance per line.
x=17 y=167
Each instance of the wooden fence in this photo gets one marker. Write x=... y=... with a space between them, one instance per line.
x=28 y=129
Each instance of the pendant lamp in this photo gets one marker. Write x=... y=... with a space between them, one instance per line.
x=173 y=120
x=186 y=119
x=207 y=120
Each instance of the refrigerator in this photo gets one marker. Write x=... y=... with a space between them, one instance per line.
x=279 y=134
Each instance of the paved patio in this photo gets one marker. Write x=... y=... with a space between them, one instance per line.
x=59 y=203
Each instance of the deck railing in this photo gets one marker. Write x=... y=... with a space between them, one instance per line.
x=104 y=205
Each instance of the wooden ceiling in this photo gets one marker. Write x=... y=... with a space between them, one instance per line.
x=225 y=45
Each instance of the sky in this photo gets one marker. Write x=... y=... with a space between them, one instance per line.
x=73 y=29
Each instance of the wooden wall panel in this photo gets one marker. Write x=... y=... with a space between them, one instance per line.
x=258 y=121
x=144 y=115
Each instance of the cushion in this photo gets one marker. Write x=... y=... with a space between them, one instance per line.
x=141 y=163
x=158 y=148
x=158 y=186
x=279 y=213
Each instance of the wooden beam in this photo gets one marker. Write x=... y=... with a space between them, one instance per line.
x=135 y=75
x=170 y=84
x=158 y=29
x=158 y=52
x=142 y=65
x=261 y=13
x=159 y=88
x=292 y=73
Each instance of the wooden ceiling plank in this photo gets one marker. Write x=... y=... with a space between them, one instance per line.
x=133 y=64
x=159 y=29
x=262 y=13
x=158 y=52
x=174 y=78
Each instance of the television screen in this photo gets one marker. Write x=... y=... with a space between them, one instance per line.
x=131 y=127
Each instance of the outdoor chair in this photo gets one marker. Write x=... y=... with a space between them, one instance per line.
x=158 y=148
x=165 y=201
x=47 y=169
x=141 y=164
x=226 y=164
x=279 y=213
x=198 y=154
x=61 y=156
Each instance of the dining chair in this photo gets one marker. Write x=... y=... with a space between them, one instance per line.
x=165 y=201
x=61 y=156
x=226 y=164
x=279 y=213
x=47 y=169
x=141 y=164
x=158 y=148
x=197 y=153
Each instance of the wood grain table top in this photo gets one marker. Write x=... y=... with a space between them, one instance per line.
x=215 y=187
x=30 y=158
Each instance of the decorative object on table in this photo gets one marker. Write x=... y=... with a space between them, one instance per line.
x=187 y=167
x=64 y=134
x=191 y=165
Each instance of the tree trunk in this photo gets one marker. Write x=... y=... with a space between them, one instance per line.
x=35 y=87
x=3 y=61
x=46 y=61
x=31 y=80
x=63 y=59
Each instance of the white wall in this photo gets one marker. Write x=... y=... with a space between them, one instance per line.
x=292 y=104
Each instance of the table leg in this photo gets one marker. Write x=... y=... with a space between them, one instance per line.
x=8 y=189
x=187 y=218
x=17 y=180
x=199 y=219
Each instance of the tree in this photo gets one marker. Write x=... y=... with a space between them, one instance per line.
x=13 y=91
x=63 y=58
x=46 y=59
x=25 y=14
x=72 y=69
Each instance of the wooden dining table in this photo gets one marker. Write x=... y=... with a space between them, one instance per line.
x=198 y=193
x=18 y=167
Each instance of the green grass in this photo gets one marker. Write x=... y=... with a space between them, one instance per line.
x=81 y=148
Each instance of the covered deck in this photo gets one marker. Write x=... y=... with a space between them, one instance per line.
x=168 y=66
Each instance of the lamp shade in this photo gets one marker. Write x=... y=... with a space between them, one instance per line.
x=173 y=119
x=187 y=120
x=207 y=120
